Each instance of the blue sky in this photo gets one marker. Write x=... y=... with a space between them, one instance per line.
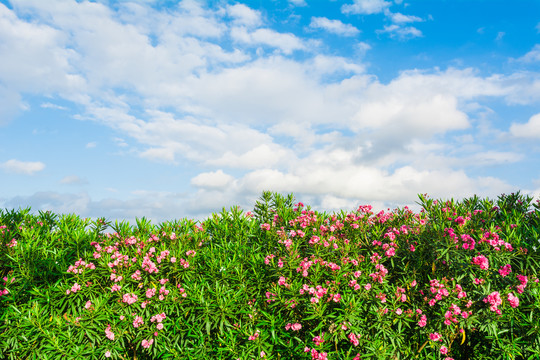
x=172 y=109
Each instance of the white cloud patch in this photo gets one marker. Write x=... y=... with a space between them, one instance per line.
x=494 y=158
x=333 y=26
x=22 y=167
x=48 y=105
x=530 y=129
x=531 y=56
x=365 y=7
x=298 y=2
x=401 y=32
x=73 y=180
x=287 y=43
x=244 y=15
x=399 y=18
x=212 y=180
x=262 y=156
x=360 y=182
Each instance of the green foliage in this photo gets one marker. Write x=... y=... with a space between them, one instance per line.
x=270 y=284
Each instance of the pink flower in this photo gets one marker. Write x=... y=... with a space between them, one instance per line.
x=435 y=337
x=88 y=305
x=150 y=292
x=513 y=300
x=354 y=340
x=136 y=275
x=318 y=340
x=494 y=300
x=109 y=333
x=76 y=287
x=399 y=311
x=146 y=344
x=263 y=354
x=505 y=270
x=138 y=321
x=478 y=281
x=444 y=350
x=367 y=286
x=107 y=353
x=294 y=327
x=130 y=298
x=481 y=261
x=254 y=336
x=423 y=321
x=390 y=252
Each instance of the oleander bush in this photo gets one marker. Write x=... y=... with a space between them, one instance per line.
x=457 y=280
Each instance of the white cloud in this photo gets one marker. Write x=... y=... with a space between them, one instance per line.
x=262 y=156
x=298 y=2
x=73 y=180
x=212 y=180
x=91 y=145
x=22 y=167
x=35 y=60
x=407 y=32
x=48 y=105
x=500 y=36
x=493 y=158
x=333 y=26
x=399 y=18
x=347 y=180
x=244 y=15
x=531 y=56
x=530 y=129
x=365 y=7
x=362 y=47
x=285 y=42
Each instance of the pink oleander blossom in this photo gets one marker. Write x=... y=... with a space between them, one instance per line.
x=294 y=327
x=109 y=333
x=494 y=300
x=423 y=321
x=481 y=261
x=76 y=287
x=505 y=270
x=147 y=343
x=254 y=336
x=150 y=292
x=513 y=300
x=318 y=340
x=353 y=339
x=138 y=321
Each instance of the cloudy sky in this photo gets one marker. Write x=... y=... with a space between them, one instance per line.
x=172 y=109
